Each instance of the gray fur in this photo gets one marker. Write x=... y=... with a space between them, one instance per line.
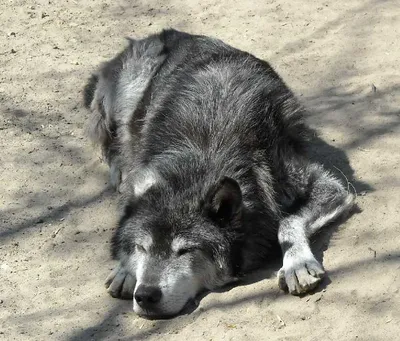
x=207 y=146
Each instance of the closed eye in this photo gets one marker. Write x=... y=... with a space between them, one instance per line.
x=182 y=252
x=140 y=248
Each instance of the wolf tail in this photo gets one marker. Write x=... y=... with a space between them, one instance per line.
x=88 y=91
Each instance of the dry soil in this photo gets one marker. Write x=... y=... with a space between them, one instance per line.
x=342 y=59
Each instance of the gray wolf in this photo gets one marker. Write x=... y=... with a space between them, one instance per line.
x=207 y=147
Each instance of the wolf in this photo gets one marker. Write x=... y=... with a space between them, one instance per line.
x=207 y=148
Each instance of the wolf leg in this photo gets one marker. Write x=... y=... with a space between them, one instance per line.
x=120 y=283
x=326 y=200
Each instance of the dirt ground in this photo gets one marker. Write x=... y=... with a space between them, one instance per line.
x=342 y=58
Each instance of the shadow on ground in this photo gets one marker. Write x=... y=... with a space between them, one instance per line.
x=107 y=328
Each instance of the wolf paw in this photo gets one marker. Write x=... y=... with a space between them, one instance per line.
x=299 y=273
x=120 y=283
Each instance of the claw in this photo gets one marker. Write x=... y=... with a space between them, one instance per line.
x=299 y=274
x=120 y=284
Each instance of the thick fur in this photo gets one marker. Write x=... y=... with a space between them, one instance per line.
x=207 y=146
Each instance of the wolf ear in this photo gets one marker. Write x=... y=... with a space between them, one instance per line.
x=224 y=202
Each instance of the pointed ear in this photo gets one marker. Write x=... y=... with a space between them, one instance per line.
x=223 y=202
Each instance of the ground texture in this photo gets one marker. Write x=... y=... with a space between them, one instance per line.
x=342 y=58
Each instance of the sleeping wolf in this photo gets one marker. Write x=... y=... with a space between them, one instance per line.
x=207 y=147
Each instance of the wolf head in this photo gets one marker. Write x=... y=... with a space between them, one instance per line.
x=178 y=243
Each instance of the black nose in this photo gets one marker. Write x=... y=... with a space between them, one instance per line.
x=147 y=295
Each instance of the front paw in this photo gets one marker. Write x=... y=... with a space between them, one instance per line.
x=300 y=273
x=120 y=283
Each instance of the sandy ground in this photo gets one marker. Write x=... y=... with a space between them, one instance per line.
x=342 y=58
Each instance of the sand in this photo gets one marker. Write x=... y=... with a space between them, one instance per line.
x=341 y=58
